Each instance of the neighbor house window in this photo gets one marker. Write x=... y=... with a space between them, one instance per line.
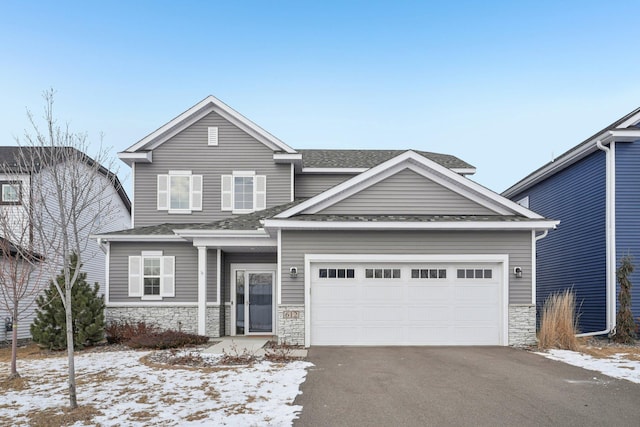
x=244 y=192
x=180 y=192
x=151 y=275
x=11 y=192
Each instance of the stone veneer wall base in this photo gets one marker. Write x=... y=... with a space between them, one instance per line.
x=178 y=318
x=522 y=325
x=290 y=320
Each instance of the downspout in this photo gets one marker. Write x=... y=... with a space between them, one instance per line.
x=610 y=242
x=534 y=262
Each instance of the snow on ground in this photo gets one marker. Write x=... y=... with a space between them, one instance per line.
x=616 y=366
x=130 y=393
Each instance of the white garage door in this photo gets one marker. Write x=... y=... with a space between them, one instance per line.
x=406 y=304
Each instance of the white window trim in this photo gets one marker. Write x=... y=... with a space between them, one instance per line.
x=190 y=175
x=159 y=255
x=245 y=174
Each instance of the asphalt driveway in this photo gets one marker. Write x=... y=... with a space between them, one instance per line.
x=458 y=386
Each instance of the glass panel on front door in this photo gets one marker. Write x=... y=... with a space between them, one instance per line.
x=260 y=302
x=254 y=302
x=240 y=302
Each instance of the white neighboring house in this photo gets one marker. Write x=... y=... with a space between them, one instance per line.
x=15 y=192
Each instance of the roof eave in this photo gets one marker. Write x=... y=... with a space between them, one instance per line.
x=572 y=156
x=537 y=225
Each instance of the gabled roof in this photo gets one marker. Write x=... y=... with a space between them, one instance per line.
x=9 y=248
x=16 y=159
x=365 y=159
x=195 y=113
x=421 y=165
x=625 y=129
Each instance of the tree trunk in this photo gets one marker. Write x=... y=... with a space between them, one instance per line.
x=14 y=345
x=73 y=403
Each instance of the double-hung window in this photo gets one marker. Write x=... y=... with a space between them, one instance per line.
x=180 y=192
x=151 y=275
x=11 y=192
x=244 y=192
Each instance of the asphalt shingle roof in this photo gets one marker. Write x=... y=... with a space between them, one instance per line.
x=369 y=158
x=251 y=221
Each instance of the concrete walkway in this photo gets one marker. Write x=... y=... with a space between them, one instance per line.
x=241 y=344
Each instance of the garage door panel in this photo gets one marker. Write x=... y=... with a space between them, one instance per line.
x=408 y=310
x=428 y=292
x=335 y=292
x=420 y=313
x=335 y=314
x=381 y=292
x=383 y=314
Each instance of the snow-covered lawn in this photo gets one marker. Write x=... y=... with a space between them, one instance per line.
x=127 y=392
x=618 y=365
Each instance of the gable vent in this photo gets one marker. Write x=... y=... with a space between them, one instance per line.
x=213 y=135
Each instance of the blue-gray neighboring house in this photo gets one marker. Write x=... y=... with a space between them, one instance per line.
x=594 y=189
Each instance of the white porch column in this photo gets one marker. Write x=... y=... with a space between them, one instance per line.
x=202 y=290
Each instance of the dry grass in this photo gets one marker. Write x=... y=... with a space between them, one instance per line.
x=18 y=383
x=62 y=416
x=610 y=351
x=558 y=322
x=31 y=351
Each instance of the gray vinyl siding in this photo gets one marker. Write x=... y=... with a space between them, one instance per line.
x=188 y=150
x=243 y=258
x=186 y=270
x=515 y=244
x=407 y=193
x=309 y=185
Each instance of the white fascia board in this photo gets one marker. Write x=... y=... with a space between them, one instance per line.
x=334 y=170
x=184 y=232
x=496 y=202
x=236 y=242
x=200 y=110
x=397 y=225
x=464 y=171
x=631 y=121
x=569 y=158
x=287 y=157
x=138 y=157
x=167 y=127
x=138 y=238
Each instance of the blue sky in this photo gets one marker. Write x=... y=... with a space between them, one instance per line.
x=503 y=85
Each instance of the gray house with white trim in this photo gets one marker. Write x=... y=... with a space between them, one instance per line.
x=236 y=233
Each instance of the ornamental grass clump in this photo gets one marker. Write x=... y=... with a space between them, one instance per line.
x=558 y=323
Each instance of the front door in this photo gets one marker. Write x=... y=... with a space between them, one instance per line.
x=253 y=296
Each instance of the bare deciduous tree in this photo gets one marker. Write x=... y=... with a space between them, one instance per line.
x=71 y=196
x=20 y=269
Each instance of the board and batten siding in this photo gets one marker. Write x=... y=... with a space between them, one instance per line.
x=309 y=185
x=407 y=193
x=189 y=150
x=628 y=213
x=186 y=270
x=295 y=244
x=574 y=255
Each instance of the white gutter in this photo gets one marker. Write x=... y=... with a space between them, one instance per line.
x=534 y=271
x=610 y=239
